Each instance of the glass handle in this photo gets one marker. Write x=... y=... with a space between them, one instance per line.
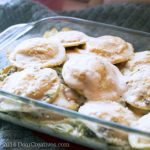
x=13 y=32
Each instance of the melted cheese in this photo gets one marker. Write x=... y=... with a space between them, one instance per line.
x=68 y=98
x=114 y=49
x=137 y=73
x=93 y=77
x=137 y=141
x=38 y=52
x=110 y=111
x=140 y=58
x=70 y=38
x=33 y=83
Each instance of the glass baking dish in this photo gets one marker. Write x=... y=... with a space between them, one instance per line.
x=60 y=122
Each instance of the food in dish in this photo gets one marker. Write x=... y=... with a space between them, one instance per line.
x=93 y=77
x=6 y=72
x=139 y=59
x=70 y=38
x=71 y=52
x=137 y=73
x=137 y=141
x=72 y=70
x=50 y=33
x=110 y=111
x=38 y=52
x=41 y=84
x=138 y=83
x=113 y=48
x=7 y=105
x=68 y=98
